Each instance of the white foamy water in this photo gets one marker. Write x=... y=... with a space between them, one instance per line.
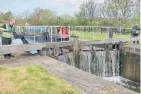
x=124 y=82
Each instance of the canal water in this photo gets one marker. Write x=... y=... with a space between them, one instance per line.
x=100 y=63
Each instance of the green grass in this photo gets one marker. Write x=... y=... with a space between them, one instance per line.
x=97 y=36
x=32 y=80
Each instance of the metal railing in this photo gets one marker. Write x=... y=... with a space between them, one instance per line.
x=35 y=31
x=85 y=32
x=95 y=32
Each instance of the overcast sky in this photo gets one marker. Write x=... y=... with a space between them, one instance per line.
x=60 y=6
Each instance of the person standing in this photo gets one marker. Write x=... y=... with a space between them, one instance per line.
x=110 y=34
x=7 y=35
x=134 y=32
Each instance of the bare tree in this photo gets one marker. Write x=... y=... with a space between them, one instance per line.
x=82 y=15
x=36 y=15
x=90 y=9
x=26 y=15
x=120 y=10
x=87 y=12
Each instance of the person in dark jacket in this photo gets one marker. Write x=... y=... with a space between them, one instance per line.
x=134 y=32
x=110 y=34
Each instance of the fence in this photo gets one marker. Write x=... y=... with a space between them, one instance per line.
x=100 y=32
x=86 y=32
x=52 y=33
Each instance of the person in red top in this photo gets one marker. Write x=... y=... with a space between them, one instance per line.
x=65 y=31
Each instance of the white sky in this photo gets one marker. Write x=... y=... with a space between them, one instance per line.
x=60 y=6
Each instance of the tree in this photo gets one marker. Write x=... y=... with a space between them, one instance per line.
x=120 y=10
x=36 y=15
x=48 y=18
x=136 y=18
x=90 y=9
x=88 y=12
x=42 y=17
x=82 y=15
x=7 y=16
x=26 y=15
x=1 y=15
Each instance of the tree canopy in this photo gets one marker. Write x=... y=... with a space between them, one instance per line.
x=118 y=13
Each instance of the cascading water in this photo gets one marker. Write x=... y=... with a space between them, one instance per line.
x=105 y=64
x=100 y=63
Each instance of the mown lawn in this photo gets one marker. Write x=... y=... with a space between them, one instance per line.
x=32 y=80
x=97 y=36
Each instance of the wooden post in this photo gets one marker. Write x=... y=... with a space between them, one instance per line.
x=76 y=52
x=93 y=56
x=120 y=44
x=76 y=44
x=107 y=53
x=51 y=34
x=44 y=52
x=110 y=46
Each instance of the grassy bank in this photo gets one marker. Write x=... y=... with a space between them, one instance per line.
x=32 y=80
x=97 y=36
